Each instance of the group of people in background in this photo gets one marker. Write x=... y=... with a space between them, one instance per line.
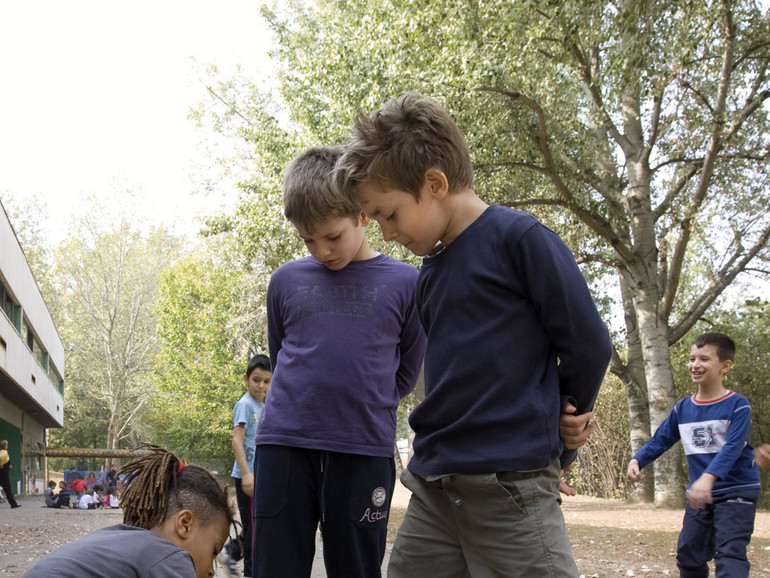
x=85 y=497
x=514 y=352
x=60 y=500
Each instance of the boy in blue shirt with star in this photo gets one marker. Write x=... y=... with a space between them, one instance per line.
x=713 y=426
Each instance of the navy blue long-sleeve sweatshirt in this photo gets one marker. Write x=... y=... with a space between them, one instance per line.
x=511 y=329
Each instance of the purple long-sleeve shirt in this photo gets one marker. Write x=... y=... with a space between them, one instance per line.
x=345 y=346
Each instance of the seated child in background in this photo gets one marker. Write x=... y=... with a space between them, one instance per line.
x=98 y=493
x=87 y=501
x=713 y=426
x=65 y=494
x=50 y=496
x=110 y=499
x=176 y=519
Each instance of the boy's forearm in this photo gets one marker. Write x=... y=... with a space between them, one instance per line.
x=408 y=372
x=243 y=464
x=239 y=433
x=411 y=353
x=737 y=437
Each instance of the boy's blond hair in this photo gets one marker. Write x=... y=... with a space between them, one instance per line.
x=309 y=194
x=394 y=147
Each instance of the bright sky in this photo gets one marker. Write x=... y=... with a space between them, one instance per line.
x=95 y=97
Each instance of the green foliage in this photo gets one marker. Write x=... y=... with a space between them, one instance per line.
x=638 y=131
x=106 y=276
x=540 y=91
x=28 y=221
x=211 y=319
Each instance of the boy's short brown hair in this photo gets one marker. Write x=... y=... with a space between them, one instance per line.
x=309 y=194
x=394 y=147
x=724 y=345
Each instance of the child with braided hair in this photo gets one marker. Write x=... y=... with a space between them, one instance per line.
x=176 y=518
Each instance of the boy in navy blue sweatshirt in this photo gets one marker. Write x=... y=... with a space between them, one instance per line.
x=505 y=291
x=713 y=426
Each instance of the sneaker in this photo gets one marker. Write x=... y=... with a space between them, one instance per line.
x=233 y=549
x=229 y=563
x=16 y=506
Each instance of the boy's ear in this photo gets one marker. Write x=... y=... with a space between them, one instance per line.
x=365 y=220
x=435 y=183
x=183 y=524
x=727 y=365
x=245 y=379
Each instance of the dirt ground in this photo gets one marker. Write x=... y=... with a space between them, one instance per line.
x=609 y=538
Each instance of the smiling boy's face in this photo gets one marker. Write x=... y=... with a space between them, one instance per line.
x=705 y=367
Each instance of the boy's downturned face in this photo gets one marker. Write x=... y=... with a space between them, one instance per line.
x=418 y=226
x=258 y=383
x=705 y=367
x=338 y=241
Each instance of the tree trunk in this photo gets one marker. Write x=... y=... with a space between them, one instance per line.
x=669 y=475
x=632 y=376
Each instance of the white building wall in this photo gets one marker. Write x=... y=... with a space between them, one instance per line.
x=16 y=360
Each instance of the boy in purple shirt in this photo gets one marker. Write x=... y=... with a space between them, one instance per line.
x=345 y=345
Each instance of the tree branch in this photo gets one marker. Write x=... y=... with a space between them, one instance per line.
x=674 y=191
x=734 y=266
x=592 y=220
x=707 y=168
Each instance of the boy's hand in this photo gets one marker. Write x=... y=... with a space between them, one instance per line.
x=564 y=487
x=247 y=484
x=634 y=472
x=699 y=494
x=762 y=456
x=574 y=430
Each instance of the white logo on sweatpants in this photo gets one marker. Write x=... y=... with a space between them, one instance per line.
x=378 y=496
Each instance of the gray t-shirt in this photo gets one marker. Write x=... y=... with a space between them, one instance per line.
x=119 y=550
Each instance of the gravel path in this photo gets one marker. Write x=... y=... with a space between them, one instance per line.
x=32 y=531
x=609 y=538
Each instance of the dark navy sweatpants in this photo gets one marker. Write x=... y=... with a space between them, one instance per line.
x=244 y=509
x=296 y=489
x=720 y=531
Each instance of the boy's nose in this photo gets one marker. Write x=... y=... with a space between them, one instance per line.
x=388 y=233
